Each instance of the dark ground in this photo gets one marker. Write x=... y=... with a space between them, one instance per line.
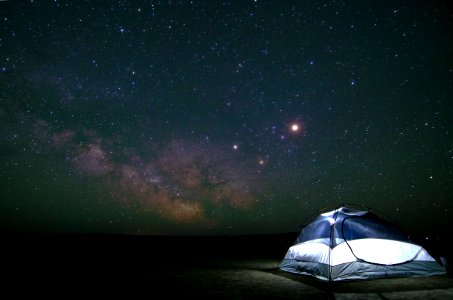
x=240 y=267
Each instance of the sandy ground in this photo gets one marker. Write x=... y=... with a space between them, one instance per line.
x=252 y=279
x=163 y=268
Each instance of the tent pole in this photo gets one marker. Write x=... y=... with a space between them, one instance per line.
x=332 y=232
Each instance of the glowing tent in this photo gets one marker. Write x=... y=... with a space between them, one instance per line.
x=350 y=244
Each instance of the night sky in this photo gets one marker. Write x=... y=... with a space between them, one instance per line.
x=223 y=117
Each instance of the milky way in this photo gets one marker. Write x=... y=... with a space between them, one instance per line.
x=222 y=117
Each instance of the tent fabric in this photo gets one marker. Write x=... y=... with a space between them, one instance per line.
x=349 y=244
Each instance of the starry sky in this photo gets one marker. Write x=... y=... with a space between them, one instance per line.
x=223 y=117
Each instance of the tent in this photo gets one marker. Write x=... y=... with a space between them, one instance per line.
x=351 y=244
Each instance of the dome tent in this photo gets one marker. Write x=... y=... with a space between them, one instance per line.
x=351 y=244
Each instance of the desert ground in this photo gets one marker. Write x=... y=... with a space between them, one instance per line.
x=221 y=267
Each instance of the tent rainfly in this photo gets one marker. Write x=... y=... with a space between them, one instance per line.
x=350 y=244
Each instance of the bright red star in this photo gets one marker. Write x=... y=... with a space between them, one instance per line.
x=296 y=128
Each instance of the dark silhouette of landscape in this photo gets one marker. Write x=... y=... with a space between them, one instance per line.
x=226 y=267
